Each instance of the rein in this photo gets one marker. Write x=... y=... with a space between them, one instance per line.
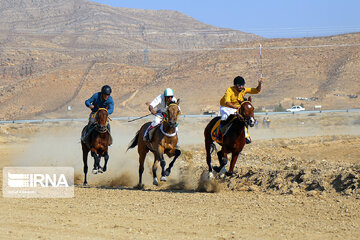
x=166 y=119
x=98 y=128
x=94 y=116
x=238 y=112
x=165 y=116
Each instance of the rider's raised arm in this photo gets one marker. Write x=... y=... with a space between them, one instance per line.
x=259 y=84
x=254 y=90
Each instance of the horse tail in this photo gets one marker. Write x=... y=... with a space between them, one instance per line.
x=212 y=148
x=134 y=141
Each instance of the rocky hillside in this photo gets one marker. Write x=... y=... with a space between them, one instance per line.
x=85 y=24
x=56 y=53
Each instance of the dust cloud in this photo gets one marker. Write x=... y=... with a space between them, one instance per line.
x=59 y=145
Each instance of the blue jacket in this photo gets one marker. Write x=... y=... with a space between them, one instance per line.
x=99 y=103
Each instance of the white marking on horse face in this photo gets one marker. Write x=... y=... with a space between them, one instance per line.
x=252 y=121
x=249 y=106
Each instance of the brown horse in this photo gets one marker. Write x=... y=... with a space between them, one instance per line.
x=98 y=142
x=164 y=141
x=233 y=141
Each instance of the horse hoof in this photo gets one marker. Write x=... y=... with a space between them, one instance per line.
x=210 y=175
x=85 y=184
x=155 y=182
x=222 y=170
x=229 y=174
x=216 y=169
x=167 y=172
x=163 y=179
x=100 y=170
x=140 y=186
x=94 y=171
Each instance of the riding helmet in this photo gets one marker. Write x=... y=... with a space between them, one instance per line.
x=239 y=81
x=106 y=89
x=168 y=92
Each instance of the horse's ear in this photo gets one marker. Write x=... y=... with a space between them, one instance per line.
x=178 y=101
x=249 y=99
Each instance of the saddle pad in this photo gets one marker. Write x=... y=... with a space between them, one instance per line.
x=215 y=131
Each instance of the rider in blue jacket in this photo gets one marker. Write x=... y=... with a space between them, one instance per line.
x=98 y=100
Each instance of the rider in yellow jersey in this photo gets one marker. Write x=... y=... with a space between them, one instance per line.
x=232 y=98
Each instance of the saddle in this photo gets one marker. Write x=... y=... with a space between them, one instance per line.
x=216 y=129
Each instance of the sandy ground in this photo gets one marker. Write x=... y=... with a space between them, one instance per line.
x=299 y=179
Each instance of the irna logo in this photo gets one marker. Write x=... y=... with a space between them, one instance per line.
x=37 y=180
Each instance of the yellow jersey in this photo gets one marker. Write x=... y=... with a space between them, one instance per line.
x=233 y=96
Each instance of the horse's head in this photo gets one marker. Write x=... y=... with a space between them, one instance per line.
x=172 y=113
x=246 y=112
x=101 y=118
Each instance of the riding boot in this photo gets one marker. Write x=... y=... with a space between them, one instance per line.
x=88 y=131
x=147 y=134
x=223 y=126
x=108 y=127
x=84 y=135
x=221 y=130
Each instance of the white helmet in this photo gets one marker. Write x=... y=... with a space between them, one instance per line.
x=168 y=92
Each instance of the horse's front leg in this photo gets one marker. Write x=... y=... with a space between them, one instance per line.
x=106 y=157
x=163 y=165
x=223 y=160
x=96 y=161
x=234 y=158
x=168 y=170
x=154 y=168
x=222 y=156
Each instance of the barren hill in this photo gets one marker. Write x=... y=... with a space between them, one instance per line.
x=85 y=24
x=56 y=53
x=310 y=71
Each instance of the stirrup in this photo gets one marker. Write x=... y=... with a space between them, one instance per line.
x=84 y=136
x=219 y=137
x=146 y=137
x=247 y=140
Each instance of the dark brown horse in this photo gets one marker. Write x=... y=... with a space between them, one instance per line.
x=98 y=142
x=233 y=141
x=164 y=141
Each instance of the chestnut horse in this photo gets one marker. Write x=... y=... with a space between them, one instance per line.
x=164 y=141
x=233 y=141
x=98 y=142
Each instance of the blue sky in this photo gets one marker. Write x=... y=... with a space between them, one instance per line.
x=268 y=18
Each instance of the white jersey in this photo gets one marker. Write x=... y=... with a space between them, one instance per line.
x=159 y=103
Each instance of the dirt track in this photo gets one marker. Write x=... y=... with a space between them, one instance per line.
x=300 y=179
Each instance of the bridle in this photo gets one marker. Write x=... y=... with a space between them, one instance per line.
x=101 y=128
x=239 y=114
x=166 y=116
